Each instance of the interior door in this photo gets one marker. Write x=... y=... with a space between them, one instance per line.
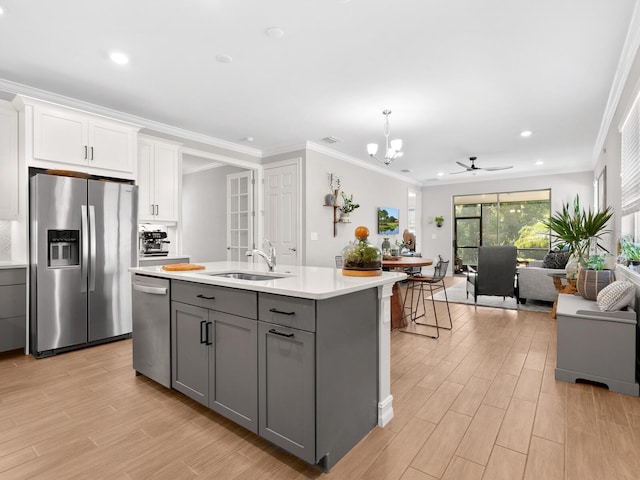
x=468 y=237
x=240 y=215
x=281 y=211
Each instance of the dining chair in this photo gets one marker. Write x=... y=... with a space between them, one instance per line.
x=435 y=284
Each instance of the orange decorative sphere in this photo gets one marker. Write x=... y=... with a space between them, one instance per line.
x=362 y=233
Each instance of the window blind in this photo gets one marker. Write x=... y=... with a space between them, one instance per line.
x=630 y=162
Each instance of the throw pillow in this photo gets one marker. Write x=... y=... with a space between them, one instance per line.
x=616 y=296
x=555 y=260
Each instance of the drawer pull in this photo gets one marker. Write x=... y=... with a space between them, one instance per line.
x=274 y=310
x=275 y=332
x=205 y=297
x=203 y=333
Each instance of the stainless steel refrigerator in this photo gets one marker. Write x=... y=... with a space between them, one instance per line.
x=82 y=243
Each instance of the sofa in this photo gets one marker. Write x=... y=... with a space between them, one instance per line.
x=535 y=282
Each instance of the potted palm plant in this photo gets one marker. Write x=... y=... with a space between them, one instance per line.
x=576 y=230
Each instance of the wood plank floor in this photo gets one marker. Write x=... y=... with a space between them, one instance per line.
x=479 y=402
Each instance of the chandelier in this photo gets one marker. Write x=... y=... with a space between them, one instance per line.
x=392 y=149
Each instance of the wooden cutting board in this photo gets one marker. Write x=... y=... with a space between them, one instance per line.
x=182 y=267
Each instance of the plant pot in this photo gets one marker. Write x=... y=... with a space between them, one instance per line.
x=344 y=218
x=439 y=224
x=590 y=282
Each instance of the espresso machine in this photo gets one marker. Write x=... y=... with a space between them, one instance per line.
x=152 y=244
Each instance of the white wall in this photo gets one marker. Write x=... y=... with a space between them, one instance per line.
x=370 y=189
x=204 y=214
x=610 y=154
x=439 y=201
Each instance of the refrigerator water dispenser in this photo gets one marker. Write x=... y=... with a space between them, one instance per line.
x=64 y=248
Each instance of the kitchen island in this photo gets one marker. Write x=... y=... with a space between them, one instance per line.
x=300 y=355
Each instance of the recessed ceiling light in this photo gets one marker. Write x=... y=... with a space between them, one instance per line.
x=274 y=32
x=1 y=11
x=119 y=58
x=539 y=162
x=525 y=133
x=224 y=58
x=440 y=174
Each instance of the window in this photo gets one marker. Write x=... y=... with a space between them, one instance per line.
x=630 y=172
x=511 y=218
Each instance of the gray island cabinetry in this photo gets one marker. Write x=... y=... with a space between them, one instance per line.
x=302 y=359
x=213 y=346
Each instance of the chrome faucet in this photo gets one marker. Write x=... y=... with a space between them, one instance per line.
x=270 y=259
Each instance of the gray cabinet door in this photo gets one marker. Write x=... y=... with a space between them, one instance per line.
x=233 y=369
x=190 y=351
x=286 y=386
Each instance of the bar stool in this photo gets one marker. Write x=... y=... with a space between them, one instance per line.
x=435 y=283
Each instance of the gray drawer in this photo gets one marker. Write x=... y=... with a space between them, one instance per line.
x=229 y=300
x=13 y=300
x=13 y=276
x=291 y=312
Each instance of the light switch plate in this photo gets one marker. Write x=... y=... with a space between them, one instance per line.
x=433 y=236
x=314 y=235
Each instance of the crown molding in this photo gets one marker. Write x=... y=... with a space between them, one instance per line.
x=43 y=95
x=627 y=57
x=361 y=163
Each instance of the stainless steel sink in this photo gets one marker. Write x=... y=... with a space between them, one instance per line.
x=245 y=276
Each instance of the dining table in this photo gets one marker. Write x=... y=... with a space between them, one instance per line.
x=401 y=263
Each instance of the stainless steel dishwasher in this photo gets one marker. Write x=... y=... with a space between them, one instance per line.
x=152 y=328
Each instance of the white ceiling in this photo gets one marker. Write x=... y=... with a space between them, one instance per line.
x=462 y=77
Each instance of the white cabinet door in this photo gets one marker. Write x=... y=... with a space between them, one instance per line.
x=158 y=178
x=146 y=207
x=166 y=182
x=8 y=162
x=60 y=136
x=111 y=145
x=75 y=138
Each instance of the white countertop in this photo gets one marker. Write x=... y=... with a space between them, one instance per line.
x=4 y=265
x=306 y=282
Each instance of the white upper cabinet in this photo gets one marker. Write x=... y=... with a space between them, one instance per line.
x=67 y=137
x=8 y=162
x=158 y=180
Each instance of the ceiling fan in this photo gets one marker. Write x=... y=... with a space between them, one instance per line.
x=474 y=169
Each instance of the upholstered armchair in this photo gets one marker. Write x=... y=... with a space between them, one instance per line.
x=495 y=274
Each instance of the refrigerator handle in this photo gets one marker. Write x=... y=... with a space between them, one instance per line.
x=85 y=248
x=92 y=248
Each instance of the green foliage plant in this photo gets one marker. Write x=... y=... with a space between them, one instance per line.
x=574 y=227
x=348 y=205
x=630 y=250
x=596 y=262
x=361 y=255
